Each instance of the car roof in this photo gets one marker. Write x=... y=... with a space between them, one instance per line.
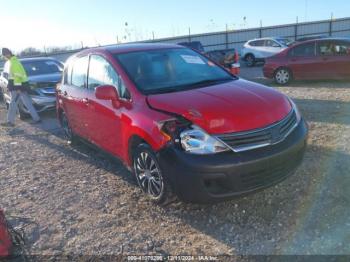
x=267 y=38
x=33 y=59
x=323 y=39
x=126 y=48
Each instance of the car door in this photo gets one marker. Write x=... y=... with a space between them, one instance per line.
x=105 y=119
x=343 y=58
x=259 y=49
x=303 y=62
x=72 y=95
x=334 y=58
x=327 y=64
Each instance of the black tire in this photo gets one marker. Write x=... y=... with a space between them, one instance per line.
x=68 y=132
x=1 y=95
x=250 y=60
x=23 y=115
x=283 y=76
x=150 y=177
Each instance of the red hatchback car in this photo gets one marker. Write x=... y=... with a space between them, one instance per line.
x=183 y=125
x=326 y=58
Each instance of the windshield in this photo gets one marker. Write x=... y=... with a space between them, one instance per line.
x=171 y=70
x=285 y=41
x=42 y=67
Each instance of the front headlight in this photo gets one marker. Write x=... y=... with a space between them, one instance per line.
x=197 y=141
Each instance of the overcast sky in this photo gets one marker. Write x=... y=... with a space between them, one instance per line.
x=39 y=23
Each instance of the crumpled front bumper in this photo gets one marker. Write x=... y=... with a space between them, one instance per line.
x=212 y=178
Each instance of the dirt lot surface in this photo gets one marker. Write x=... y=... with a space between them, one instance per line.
x=76 y=201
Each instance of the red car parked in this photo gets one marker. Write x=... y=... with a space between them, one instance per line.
x=181 y=123
x=326 y=58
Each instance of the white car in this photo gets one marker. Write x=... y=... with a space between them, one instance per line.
x=257 y=50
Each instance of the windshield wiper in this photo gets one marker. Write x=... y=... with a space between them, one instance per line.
x=208 y=81
x=178 y=88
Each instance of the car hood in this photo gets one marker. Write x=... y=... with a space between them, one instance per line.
x=47 y=79
x=236 y=106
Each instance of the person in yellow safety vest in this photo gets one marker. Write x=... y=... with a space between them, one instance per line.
x=18 y=88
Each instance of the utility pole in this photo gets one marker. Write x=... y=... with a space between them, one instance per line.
x=226 y=36
x=189 y=34
x=331 y=25
x=260 y=30
x=296 y=29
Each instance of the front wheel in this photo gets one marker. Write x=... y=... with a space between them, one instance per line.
x=23 y=115
x=68 y=133
x=283 y=76
x=149 y=176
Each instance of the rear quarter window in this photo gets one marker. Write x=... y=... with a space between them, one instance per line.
x=257 y=43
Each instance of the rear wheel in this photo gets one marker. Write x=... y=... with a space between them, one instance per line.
x=250 y=60
x=150 y=177
x=283 y=76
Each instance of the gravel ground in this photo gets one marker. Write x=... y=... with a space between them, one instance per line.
x=75 y=200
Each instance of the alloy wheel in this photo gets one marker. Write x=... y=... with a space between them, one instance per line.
x=148 y=174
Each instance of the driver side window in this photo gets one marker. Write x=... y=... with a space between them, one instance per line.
x=101 y=73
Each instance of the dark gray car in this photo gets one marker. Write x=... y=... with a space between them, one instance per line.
x=43 y=75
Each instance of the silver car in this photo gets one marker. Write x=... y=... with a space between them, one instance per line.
x=257 y=50
x=43 y=75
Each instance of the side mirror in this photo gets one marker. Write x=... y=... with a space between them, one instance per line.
x=107 y=92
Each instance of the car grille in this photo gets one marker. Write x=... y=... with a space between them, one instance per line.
x=270 y=135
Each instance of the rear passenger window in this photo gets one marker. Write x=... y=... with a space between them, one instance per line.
x=330 y=48
x=79 y=72
x=257 y=43
x=303 y=50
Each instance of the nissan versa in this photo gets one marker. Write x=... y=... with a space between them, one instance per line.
x=180 y=122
